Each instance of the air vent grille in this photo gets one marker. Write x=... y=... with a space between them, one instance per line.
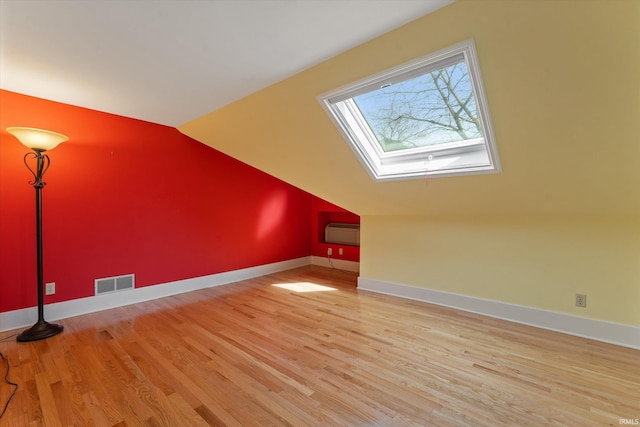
x=114 y=284
x=348 y=234
x=124 y=282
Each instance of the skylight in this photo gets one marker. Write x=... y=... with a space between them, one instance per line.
x=429 y=116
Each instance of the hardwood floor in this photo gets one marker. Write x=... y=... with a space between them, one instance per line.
x=252 y=353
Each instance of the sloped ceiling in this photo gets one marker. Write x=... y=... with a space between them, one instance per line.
x=563 y=92
x=243 y=77
x=171 y=61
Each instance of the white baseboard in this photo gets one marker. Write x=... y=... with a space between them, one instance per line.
x=340 y=264
x=62 y=310
x=599 y=330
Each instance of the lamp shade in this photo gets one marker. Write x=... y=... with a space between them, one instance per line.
x=37 y=139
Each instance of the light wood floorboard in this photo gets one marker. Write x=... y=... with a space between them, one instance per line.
x=254 y=354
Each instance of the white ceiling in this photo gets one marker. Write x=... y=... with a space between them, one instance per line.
x=171 y=61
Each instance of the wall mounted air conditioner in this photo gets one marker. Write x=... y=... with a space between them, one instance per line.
x=346 y=234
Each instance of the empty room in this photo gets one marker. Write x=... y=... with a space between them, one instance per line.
x=319 y=213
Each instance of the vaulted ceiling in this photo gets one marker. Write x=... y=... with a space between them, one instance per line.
x=243 y=77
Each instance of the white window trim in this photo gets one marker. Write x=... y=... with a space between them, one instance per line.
x=413 y=163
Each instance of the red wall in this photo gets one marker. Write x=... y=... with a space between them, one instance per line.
x=127 y=196
x=325 y=213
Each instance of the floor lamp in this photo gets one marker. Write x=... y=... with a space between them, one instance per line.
x=38 y=141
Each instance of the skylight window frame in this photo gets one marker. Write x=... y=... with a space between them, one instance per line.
x=413 y=163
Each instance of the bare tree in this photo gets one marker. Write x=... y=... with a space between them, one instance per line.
x=433 y=108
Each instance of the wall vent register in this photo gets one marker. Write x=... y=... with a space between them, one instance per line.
x=114 y=284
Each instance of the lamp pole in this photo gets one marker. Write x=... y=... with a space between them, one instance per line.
x=42 y=329
x=39 y=141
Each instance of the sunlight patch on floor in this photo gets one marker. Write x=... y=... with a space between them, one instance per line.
x=304 y=287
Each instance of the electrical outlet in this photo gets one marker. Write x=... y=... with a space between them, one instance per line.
x=50 y=288
x=329 y=251
x=581 y=300
x=340 y=251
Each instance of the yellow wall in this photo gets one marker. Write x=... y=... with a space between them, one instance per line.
x=564 y=95
x=538 y=261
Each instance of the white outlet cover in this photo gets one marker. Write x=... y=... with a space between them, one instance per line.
x=50 y=288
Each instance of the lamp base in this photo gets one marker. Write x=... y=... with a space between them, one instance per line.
x=40 y=331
